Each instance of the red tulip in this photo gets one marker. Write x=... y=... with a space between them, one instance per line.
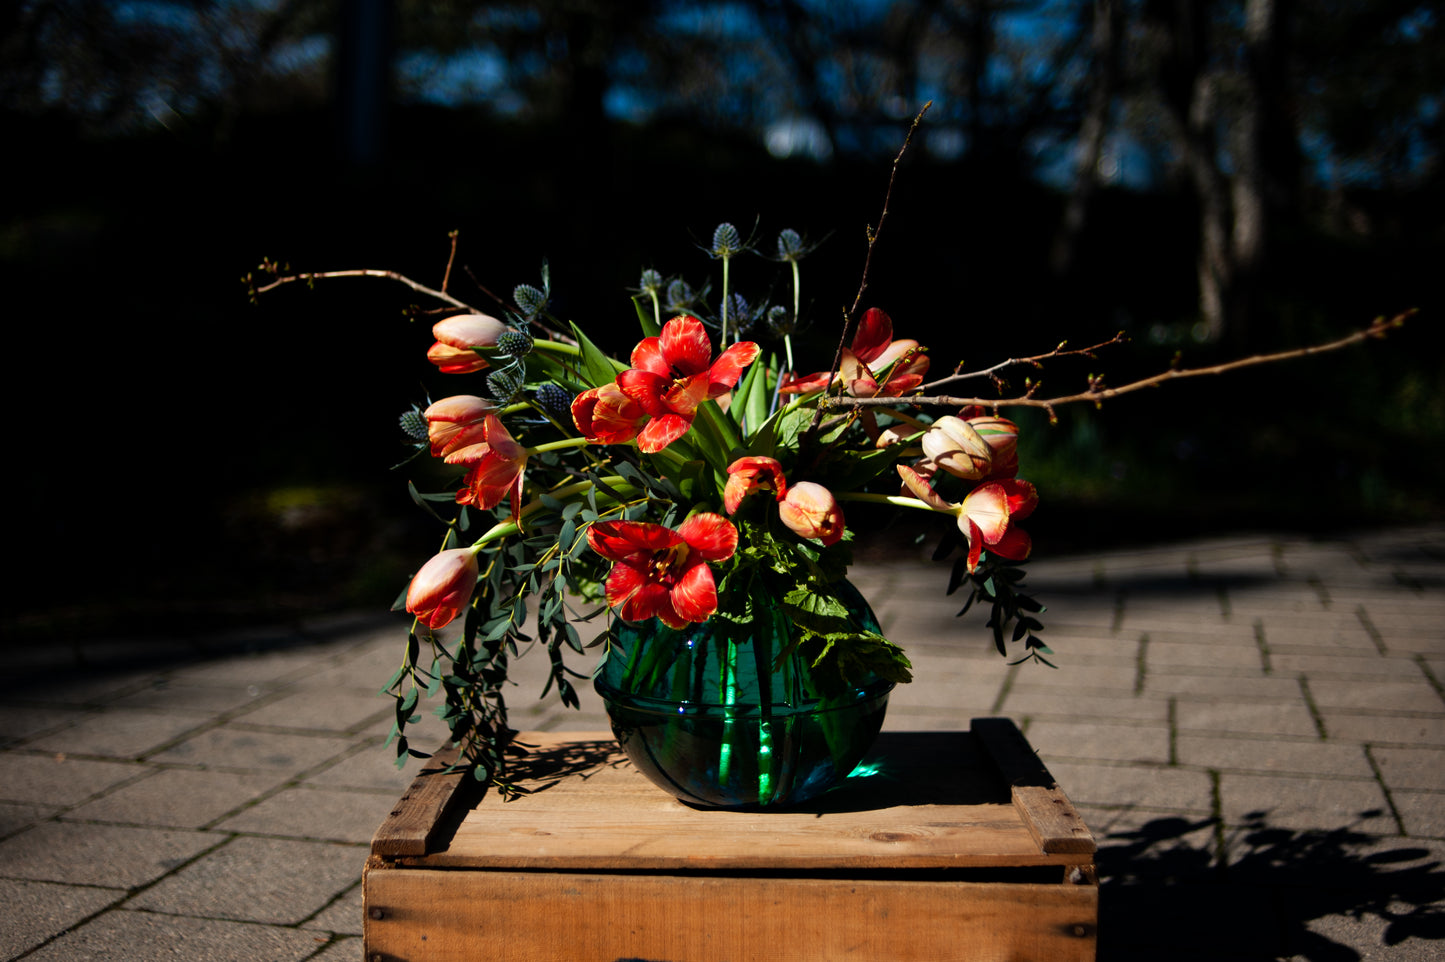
x=673 y=373
x=497 y=464
x=986 y=516
x=749 y=475
x=606 y=415
x=458 y=339
x=442 y=588
x=872 y=353
x=661 y=573
x=456 y=422
x=811 y=511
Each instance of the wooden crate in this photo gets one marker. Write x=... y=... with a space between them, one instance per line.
x=953 y=845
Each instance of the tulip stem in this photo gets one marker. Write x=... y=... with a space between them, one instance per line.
x=557 y=347
x=508 y=528
x=893 y=499
x=724 y=339
x=559 y=445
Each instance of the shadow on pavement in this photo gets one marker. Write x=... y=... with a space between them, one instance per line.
x=1166 y=894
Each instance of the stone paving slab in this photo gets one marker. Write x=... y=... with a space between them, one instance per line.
x=109 y=855
x=1253 y=725
x=277 y=881
x=38 y=911
x=154 y=937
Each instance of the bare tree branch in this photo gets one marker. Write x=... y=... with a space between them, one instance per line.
x=1096 y=392
x=314 y=276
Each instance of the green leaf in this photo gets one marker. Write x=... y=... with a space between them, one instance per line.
x=422 y=499
x=749 y=407
x=643 y=305
x=596 y=367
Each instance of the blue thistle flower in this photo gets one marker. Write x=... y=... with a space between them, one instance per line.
x=515 y=343
x=529 y=300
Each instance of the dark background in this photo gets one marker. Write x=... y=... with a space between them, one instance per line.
x=182 y=458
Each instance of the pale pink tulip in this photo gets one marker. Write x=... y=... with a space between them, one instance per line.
x=986 y=515
x=811 y=511
x=956 y=447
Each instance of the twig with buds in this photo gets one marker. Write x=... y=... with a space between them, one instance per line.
x=1096 y=393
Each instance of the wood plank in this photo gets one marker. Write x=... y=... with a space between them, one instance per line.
x=922 y=800
x=427 y=809
x=1045 y=810
x=442 y=916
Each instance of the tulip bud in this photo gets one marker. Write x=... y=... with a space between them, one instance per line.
x=456 y=422
x=1002 y=436
x=458 y=339
x=811 y=511
x=957 y=448
x=443 y=587
x=752 y=475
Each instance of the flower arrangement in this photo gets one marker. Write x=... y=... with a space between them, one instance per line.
x=704 y=480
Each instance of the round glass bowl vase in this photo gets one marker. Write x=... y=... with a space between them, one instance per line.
x=740 y=722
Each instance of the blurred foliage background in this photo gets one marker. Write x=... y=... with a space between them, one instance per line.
x=1213 y=177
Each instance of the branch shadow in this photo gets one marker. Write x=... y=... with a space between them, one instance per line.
x=1166 y=893
x=542 y=767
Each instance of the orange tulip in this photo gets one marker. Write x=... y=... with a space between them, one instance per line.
x=606 y=415
x=456 y=422
x=458 y=339
x=497 y=465
x=442 y=588
x=811 y=511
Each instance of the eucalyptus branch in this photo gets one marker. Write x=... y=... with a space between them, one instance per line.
x=1097 y=393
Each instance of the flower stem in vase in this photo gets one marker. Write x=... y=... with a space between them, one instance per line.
x=728 y=689
x=763 y=659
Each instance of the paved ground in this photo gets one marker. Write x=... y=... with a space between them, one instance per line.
x=1254 y=727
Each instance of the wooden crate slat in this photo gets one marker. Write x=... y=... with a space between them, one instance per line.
x=445 y=916
x=1045 y=810
x=424 y=809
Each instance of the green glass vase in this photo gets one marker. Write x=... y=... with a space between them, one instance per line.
x=731 y=723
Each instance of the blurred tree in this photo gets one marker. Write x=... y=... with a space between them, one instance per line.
x=1264 y=111
x=1252 y=101
x=121 y=69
